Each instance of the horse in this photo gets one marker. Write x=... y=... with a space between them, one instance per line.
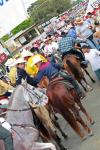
x=45 y=117
x=72 y=65
x=63 y=99
x=20 y=117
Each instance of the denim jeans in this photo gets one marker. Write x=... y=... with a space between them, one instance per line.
x=90 y=41
x=97 y=72
x=70 y=79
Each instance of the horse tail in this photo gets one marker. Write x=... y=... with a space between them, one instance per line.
x=68 y=116
x=73 y=69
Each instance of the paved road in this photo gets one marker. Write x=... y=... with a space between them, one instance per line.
x=92 y=103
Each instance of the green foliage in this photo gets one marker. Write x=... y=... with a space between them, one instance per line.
x=24 y=25
x=43 y=10
x=5 y=38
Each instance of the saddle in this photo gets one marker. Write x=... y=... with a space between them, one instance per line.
x=68 y=85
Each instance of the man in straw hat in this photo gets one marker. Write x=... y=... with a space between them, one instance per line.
x=84 y=32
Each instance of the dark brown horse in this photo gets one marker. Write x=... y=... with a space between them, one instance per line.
x=73 y=66
x=63 y=99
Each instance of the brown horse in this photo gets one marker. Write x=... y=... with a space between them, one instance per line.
x=63 y=99
x=73 y=66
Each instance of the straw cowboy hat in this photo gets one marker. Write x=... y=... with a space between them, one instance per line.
x=20 y=61
x=78 y=20
x=10 y=62
x=26 y=53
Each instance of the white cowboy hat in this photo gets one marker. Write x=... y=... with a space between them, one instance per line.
x=10 y=62
x=26 y=53
x=20 y=61
x=36 y=59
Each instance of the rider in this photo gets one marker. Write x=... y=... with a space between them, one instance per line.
x=5 y=134
x=52 y=70
x=66 y=46
x=22 y=74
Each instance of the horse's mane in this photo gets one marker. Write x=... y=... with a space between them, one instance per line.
x=73 y=68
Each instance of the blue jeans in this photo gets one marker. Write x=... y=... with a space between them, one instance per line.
x=97 y=72
x=90 y=41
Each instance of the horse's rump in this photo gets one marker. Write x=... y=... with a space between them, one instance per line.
x=59 y=93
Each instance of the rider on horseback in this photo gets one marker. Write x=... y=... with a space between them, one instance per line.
x=52 y=70
x=68 y=45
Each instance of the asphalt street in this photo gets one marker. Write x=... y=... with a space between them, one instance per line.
x=92 y=104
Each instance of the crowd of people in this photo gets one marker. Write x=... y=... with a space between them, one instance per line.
x=79 y=37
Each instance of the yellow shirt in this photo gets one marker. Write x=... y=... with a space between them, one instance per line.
x=12 y=75
x=4 y=87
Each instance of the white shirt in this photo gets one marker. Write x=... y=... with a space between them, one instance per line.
x=94 y=58
x=51 y=48
x=83 y=30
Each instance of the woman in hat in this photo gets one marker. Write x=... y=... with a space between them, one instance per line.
x=84 y=32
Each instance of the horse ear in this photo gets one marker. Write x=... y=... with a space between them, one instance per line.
x=24 y=82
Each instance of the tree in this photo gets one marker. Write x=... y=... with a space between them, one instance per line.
x=43 y=10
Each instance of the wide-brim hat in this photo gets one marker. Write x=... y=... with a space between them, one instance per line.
x=10 y=62
x=78 y=20
x=37 y=58
x=26 y=53
x=20 y=61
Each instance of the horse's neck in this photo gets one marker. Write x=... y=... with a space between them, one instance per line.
x=18 y=103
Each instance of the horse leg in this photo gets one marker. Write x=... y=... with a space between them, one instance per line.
x=58 y=141
x=68 y=116
x=59 y=128
x=89 y=88
x=83 y=86
x=84 y=111
x=79 y=119
x=89 y=76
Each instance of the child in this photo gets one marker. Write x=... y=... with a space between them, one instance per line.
x=93 y=56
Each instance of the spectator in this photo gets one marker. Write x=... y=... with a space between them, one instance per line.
x=93 y=56
x=85 y=32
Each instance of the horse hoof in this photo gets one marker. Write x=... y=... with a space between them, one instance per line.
x=90 y=134
x=65 y=136
x=89 y=89
x=92 y=122
x=93 y=81
x=84 y=138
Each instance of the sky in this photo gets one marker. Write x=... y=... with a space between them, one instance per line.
x=12 y=13
x=28 y=2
